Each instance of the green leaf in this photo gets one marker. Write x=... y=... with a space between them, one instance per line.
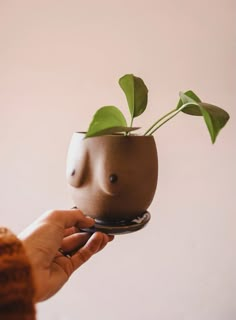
x=215 y=117
x=107 y=120
x=190 y=98
x=136 y=94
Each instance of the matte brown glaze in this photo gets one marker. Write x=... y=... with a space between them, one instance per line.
x=112 y=177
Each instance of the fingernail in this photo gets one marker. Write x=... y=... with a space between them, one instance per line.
x=88 y=217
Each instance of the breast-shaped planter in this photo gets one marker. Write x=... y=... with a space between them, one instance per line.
x=112 y=177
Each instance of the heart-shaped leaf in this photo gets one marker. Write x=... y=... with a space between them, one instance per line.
x=215 y=117
x=190 y=98
x=136 y=94
x=108 y=120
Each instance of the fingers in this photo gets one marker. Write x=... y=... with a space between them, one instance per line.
x=96 y=243
x=70 y=231
x=68 y=218
x=75 y=241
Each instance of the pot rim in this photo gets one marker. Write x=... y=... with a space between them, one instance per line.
x=116 y=135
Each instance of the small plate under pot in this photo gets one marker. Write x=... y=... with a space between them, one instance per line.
x=121 y=227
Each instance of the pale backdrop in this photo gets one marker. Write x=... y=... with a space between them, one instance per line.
x=59 y=62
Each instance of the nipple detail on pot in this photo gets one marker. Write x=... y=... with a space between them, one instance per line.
x=113 y=178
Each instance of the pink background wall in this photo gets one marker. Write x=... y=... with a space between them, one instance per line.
x=59 y=62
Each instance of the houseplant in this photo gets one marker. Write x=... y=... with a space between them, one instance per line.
x=112 y=171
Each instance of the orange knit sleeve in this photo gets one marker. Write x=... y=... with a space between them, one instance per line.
x=16 y=282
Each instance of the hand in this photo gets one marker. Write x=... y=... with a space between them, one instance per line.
x=54 y=230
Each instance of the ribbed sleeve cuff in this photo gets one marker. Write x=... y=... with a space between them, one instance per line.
x=16 y=281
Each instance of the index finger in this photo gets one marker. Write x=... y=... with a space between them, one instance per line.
x=68 y=218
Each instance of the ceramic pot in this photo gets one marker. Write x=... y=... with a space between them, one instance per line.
x=112 y=177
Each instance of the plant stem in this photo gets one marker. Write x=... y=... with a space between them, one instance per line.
x=159 y=120
x=131 y=123
x=173 y=112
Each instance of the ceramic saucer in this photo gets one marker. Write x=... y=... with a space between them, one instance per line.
x=121 y=227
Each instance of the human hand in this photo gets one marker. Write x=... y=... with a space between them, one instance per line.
x=54 y=230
